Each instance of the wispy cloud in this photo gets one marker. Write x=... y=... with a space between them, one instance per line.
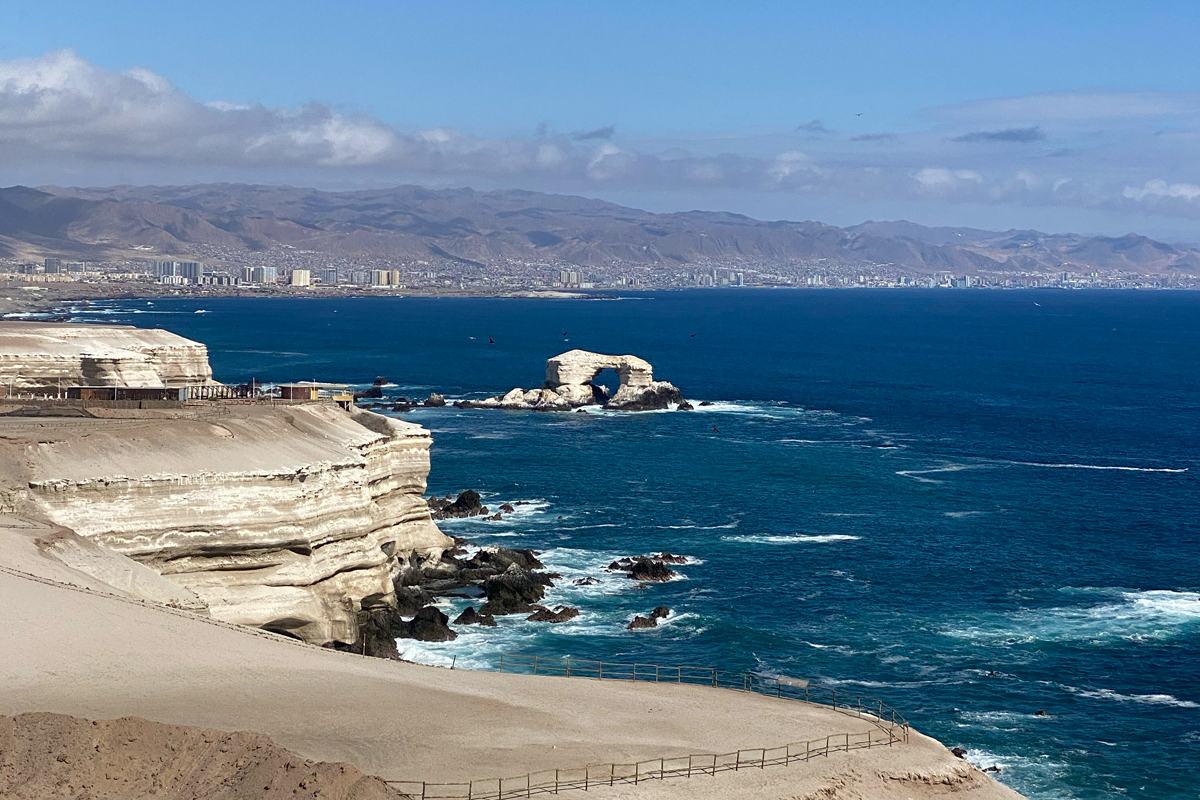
x=1031 y=134
x=814 y=126
x=605 y=132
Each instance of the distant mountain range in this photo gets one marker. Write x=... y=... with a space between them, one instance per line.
x=475 y=228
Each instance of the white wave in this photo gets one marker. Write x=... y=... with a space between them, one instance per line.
x=962 y=514
x=998 y=718
x=1144 y=699
x=918 y=474
x=726 y=527
x=1095 y=466
x=589 y=527
x=1033 y=769
x=792 y=539
x=1139 y=616
x=201 y=311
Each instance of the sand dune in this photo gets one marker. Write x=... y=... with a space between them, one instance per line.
x=97 y=656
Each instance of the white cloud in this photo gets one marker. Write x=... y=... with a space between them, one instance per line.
x=941 y=179
x=1091 y=150
x=1159 y=189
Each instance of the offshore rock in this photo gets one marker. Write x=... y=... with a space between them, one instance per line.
x=569 y=385
x=373 y=393
x=470 y=616
x=559 y=614
x=640 y=622
x=658 y=396
x=644 y=569
x=435 y=400
x=512 y=592
x=468 y=504
x=429 y=625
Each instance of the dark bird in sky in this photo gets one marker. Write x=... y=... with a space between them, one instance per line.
x=859 y=114
x=491 y=340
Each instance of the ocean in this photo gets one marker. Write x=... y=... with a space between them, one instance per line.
x=974 y=505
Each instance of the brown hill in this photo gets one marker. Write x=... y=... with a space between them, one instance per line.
x=410 y=223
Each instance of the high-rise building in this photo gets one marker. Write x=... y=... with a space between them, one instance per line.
x=301 y=277
x=191 y=271
x=360 y=278
x=164 y=269
x=394 y=278
x=264 y=275
x=329 y=277
x=380 y=277
x=53 y=266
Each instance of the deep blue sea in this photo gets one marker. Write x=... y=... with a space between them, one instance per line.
x=973 y=505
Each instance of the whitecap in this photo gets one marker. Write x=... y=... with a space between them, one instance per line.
x=1096 y=466
x=1143 y=699
x=727 y=526
x=918 y=474
x=1140 y=616
x=792 y=539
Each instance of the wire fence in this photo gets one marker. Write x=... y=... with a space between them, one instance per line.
x=887 y=728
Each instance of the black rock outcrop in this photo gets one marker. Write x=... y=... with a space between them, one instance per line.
x=512 y=592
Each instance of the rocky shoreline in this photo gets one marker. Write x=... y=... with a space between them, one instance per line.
x=500 y=581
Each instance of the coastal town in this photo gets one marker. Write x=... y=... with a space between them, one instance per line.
x=289 y=271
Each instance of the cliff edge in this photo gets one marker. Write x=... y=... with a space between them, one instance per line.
x=289 y=518
x=42 y=356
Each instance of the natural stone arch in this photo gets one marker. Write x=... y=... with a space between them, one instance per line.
x=570 y=375
x=569 y=385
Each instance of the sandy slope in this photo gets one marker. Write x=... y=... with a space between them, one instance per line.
x=73 y=652
x=44 y=755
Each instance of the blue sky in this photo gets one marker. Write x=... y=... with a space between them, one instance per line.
x=1056 y=115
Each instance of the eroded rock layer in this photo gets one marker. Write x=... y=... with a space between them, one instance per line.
x=41 y=355
x=290 y=518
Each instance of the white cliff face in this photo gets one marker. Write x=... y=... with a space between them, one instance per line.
x=288 y=518
x=569 y=385
x=38 y=355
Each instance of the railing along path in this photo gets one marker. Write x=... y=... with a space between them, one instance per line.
x=888 y=728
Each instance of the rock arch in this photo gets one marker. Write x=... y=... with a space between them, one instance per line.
x=569 y=385
x=570 y=375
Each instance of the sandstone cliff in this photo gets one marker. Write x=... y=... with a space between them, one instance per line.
x=40 y=355
x=290 y=518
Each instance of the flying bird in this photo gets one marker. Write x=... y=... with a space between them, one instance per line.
x=693 y=336
x=491 y=340
x=859 y=114
x=715 y=429
x=564 y=333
